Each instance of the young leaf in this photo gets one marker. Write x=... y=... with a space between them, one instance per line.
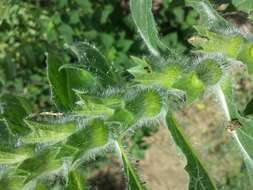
x=94 y=106
x=133 y=180
x=165 y=77
x=199 y=178
x=141 y=11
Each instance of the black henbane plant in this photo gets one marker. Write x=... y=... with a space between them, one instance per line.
x=98 y=105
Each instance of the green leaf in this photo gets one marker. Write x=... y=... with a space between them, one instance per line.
x=76 y=181
x=243 y=5
x=164 y=77
x=94 y=136
x=92 y=106
x=141 y=11
x=49 y=127
x=11 y=158
x=63 y=81
x=43 y=162
x=15 y=109
x=199 y=178
x=211 y=42
x=95 y=63
x=133 y=180
x=15 y=155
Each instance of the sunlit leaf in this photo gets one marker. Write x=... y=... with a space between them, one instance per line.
x=164 y=77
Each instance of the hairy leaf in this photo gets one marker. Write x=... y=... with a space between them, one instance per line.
x=211 y=42
x=64 y=79
x=144 y=20
x=87 y=141
x=133 y=180
x=49 y=127
x=42 y=163
x=199 y=178
x=15 y=155
x=94 y=62
x=92 y=106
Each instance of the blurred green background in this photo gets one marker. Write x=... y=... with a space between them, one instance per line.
x=29 y=28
